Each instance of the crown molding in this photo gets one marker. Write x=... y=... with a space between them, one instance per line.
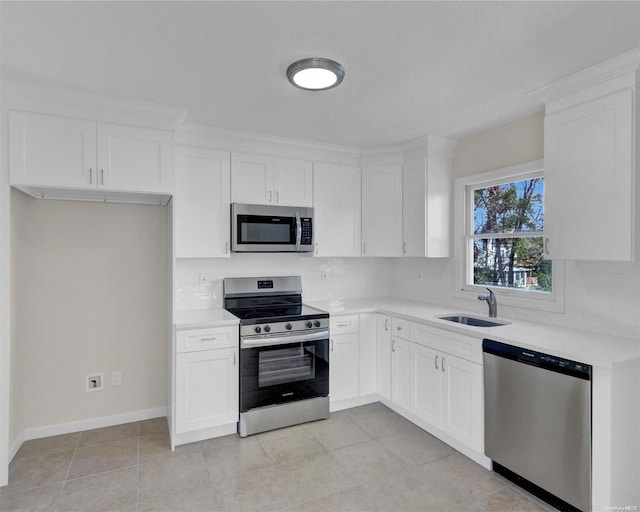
x=66 y=102
x=625 y=64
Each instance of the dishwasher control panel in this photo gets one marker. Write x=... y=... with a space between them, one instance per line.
x=546 y=361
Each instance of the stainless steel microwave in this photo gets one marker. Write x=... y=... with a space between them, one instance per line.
x=265 y=228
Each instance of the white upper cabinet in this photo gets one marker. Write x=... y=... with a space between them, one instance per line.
x=49 y=154
x=426 y=201
x=201 y=203
x=337 y=200
x=259 y=179
x=293 y=182
x=591 y=165
x=382 y=210
x=134 y=159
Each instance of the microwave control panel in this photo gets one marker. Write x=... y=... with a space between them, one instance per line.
x=307 y=235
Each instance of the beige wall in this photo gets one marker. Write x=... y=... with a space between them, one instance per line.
x=509 y=144
x=90 y=294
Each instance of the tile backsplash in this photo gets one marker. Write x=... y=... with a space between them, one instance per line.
x=599 y=297
x=333 y=279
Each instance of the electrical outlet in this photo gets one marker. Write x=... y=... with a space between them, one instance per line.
x=94 y=382
x=116 y=378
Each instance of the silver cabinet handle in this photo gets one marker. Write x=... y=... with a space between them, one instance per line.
x=226 y=247
x=364 y=248
x=101 y=176
x=386 y=324
x=316 y=251
x=393 y=345
x=398 y=328
x=213 y=338
x=234 y=358
x=442 y=365
x=90 y=176
x=277 y=196
x=436 y=362
x=271 y=196
x=404 y=248
x=331 y=345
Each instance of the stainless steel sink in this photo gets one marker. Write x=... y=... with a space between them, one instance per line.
x=470 y=320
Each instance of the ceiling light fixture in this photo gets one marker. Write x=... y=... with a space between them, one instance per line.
x=315 y=74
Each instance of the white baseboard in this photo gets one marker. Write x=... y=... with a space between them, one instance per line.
x=80 y=425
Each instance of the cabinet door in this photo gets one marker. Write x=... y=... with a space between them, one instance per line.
x=589 y=180
x=368 y=353
x=206 y=389
x=201 y=203
x=382 y=210
x=344 y=374
x=336 y=199
x=462 y=401
x=134 y=159
x=426 y=196
x=251 y=179
x=425 y=383
x=51 y=151
x=293 y=182
x=383 y=338
x=401 y=372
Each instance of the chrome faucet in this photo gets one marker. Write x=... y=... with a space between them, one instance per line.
x=492 y=301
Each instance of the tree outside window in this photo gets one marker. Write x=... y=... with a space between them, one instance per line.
x=505 y=236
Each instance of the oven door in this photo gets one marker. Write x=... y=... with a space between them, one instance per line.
x=283 y=369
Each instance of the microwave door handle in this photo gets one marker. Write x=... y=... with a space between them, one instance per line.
x=298 y=231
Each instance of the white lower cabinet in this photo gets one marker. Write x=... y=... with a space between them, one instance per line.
x=435 y=386
x=206 y=379
x=400 y=372
x=462 y=401
x=344 y=357
x=425 y=383
x=383 y=353
x=207 y=389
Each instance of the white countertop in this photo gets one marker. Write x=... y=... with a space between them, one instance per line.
x=590 y=348
x=203 y=318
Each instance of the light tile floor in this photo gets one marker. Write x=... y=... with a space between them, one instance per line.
x=362 y=459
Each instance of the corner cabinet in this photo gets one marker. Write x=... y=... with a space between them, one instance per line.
x=591 y=162
x=337 y=218
x=206 y=380
x=201 y=211
x=260 y=179
x=426 y=200
x=54 y=156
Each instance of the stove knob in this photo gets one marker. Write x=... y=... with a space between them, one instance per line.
x=267 y=328
x=287 y=327
x=316 y=323
x=258 y=329
x=308 y=324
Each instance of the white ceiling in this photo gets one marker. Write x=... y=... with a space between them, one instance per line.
x=412 y=68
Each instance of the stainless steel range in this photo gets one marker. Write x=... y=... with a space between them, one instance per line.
x=284 y=353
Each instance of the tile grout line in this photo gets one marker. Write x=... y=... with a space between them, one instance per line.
x=66 y=476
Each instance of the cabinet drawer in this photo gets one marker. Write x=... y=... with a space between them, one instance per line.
x=401 y=328
x=344 y=325
x=452 y=343
x=204 y=339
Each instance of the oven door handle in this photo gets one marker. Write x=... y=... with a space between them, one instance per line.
x=266 y=341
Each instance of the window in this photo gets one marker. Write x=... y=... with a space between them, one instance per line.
x=501 y=235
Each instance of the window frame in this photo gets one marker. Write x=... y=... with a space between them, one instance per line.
x=464 y=236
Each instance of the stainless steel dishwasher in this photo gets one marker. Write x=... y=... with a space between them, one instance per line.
x=537 y=423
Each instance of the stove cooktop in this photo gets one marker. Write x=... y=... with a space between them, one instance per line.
x=278 y=313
